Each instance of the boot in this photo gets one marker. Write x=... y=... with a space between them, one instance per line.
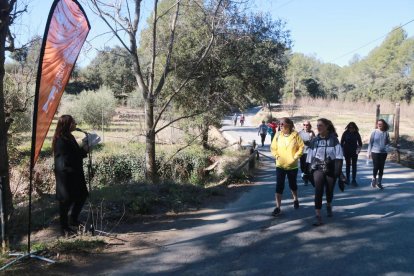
x=379 y=185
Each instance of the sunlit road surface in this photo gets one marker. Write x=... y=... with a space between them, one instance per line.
x=371 y=232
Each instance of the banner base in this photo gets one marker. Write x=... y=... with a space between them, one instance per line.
x=22 y=256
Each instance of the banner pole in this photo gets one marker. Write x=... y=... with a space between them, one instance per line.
x=2 y=217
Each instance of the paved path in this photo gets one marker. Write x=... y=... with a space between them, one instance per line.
x=371 y=233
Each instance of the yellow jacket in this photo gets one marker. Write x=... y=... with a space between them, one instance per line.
x=287 y=150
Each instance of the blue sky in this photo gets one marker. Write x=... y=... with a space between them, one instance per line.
x=329 y=29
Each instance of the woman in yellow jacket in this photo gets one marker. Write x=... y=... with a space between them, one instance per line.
x=287 y=148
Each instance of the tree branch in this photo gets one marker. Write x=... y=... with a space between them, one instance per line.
x=177 y=119
x=154 y=45
x=170 y=48
x=180 y=149
x=115 y=32
x=194 y=69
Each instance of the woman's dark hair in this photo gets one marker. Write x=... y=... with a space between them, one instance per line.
x=386 y=126
x=62 y=128
x=353 y=125
x=288 y=122
x=329 y=126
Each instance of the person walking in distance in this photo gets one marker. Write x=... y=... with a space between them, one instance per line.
x=234 y=118
x=242 y=118
x=307 y=135
x=286 y=147
x=262 y=132
x=325 y=164
x=378 y=145
x=351 y=143
x=272 y=128
x=71 y=191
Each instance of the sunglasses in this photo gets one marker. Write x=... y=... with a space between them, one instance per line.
x=319 y=125
x=306 y=124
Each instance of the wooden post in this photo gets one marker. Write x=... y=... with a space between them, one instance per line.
x=377 y=115
x=397 y=130
x=251 y=159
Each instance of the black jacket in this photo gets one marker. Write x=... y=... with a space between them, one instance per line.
x=350 y=141
x=70 y=178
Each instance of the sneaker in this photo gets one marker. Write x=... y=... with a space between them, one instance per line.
x=318 y=221
x=305 y=179
x=329 y=211
x=296 y=204
x=276 y=212
x=373 y=183
x=354 y=183
x=379 y=186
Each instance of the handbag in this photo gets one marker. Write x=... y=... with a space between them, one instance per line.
x=318 y=164
x=341 y=182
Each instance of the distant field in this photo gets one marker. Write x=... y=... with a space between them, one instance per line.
x=127 y=126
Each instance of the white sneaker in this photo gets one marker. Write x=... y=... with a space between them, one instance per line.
x=373 y=183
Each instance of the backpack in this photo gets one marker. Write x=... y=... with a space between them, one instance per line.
x=270 y=130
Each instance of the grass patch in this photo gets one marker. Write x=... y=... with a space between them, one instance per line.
x=84 y=244
x=144 y=199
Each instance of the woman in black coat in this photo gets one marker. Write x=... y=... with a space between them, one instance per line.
x=351 y=143
x=71 y=188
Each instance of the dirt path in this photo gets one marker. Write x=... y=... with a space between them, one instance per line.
x=370 y=234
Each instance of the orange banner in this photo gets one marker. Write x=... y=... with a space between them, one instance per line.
x=66 y=31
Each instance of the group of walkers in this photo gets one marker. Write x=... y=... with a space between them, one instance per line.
x=236 y=117
x=321 y=158
x=271 y=128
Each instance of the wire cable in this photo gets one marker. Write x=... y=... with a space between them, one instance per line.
x=350 y=52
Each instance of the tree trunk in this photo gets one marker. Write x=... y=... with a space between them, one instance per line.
x=4 y=157
x=204 y=135
x=150 y=165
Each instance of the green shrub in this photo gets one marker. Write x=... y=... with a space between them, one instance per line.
x=128 y=164
x=135 y=99
x=93 y=107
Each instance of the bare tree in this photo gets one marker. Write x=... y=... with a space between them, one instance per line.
x=8 y=13
x=123 y=20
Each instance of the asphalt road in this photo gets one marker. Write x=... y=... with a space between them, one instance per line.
x=371 y=232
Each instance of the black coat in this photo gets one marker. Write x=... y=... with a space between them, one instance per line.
x=70 y=178
x=350 y=141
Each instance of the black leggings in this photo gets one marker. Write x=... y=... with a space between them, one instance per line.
x=280 y=179
x=322 y=182
x=378 y=159
x=64 y=207
x=303 y=164
x=263 y=136
x=351 y=160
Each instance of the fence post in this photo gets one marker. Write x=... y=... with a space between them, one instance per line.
x=251 y=160
x=254 y=147
x=377 y=114
x=397 y=130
